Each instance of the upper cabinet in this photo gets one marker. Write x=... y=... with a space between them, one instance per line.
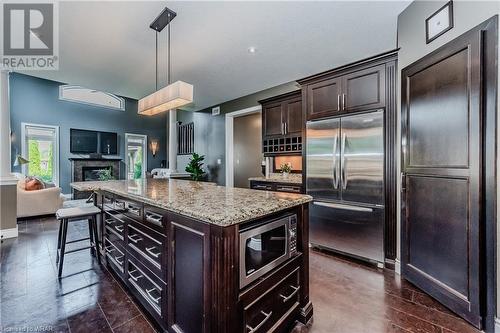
x=348 y=89
x=282 y=124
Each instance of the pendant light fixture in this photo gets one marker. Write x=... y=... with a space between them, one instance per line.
x=173 y=95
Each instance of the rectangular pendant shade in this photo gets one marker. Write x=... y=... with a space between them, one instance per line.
x=170 y=97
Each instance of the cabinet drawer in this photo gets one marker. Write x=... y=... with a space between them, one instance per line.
x=288 y=188
x=262 y=186
x=115 y=256
x=147 y=288
x=266 y=311
x=147 y=246
x=113 y=225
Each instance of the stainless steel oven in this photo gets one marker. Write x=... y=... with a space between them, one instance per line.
x=264 y=247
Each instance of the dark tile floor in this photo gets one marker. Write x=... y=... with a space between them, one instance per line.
x=347 y=297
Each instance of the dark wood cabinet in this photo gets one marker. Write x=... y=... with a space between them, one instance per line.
x=339 y=91
x=324 y=98
x=282 y=124
x=364 y=89
x=176 y=268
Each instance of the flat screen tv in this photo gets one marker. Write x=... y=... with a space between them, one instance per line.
x=93 y=142
x=83 y=142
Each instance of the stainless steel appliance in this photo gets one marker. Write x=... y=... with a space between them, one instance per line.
x=265 y=246
x=345 y=176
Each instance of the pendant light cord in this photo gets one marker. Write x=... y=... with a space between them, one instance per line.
x=156 y=69
x=169 y=79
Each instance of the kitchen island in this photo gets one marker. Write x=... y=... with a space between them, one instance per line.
x=205 y=258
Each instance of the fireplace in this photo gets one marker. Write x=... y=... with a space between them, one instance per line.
x=88 y=169
x=91 y=173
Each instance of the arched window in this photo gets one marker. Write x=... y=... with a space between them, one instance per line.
x=92 y=97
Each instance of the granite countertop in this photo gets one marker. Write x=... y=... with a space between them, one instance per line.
x=208 y=202
x=293 y=178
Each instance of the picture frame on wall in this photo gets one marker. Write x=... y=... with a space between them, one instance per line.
x=439 y=23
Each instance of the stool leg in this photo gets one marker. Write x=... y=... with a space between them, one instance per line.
x=96 y=239
x=59 y=241
x=63 y=246
x=91 y=237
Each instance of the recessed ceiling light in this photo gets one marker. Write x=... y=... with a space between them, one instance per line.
x=252 y=49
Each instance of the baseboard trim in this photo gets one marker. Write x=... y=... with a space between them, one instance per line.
x=9 y=233
x=397 y=265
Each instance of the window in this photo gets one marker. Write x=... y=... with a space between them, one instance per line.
x=40 y=146
x=136 y=154
x=185 y=139
x=93 y=97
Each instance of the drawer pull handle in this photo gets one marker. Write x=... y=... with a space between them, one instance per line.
x=149 y=292
x=291 y=189
x=119 y=260
x=256 y=328
x=153 y=218
x=119 y=228
x=135 y=278
x=150 y=251
x=109 y=248
x=135 y=238
x=289 y=297
x=109 y=221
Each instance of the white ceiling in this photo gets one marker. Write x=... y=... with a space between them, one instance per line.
x=109 y=46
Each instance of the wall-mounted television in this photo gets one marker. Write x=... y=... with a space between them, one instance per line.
x=93 y=142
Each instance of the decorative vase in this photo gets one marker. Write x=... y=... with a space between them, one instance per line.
x=285 y=175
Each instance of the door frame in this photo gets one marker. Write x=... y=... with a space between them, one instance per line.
x=488 y=267
x=230 y=139
x=24 y=152
x=144 y=153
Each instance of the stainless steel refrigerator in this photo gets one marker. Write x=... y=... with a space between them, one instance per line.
x=345 y=176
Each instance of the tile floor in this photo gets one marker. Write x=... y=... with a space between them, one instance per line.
x=347 y=297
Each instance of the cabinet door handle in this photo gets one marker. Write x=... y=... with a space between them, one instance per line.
x=135 y=238
x=282 y=128
x=343 y=101
x=338 y=102
x=289 y=297
x=286 y=128
x=150 y=251
x=256 y=328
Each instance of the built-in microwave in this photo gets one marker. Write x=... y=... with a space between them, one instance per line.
x=264 y=247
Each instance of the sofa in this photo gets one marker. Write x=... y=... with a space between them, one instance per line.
x=40 y=202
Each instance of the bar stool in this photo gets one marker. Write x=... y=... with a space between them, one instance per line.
x=66 y=215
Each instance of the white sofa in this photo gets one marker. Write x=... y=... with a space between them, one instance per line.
x=35 y=203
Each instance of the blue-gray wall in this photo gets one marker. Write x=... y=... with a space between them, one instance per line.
x=35 y=100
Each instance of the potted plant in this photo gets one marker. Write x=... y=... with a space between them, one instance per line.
x=195 y=167
x=285 y=169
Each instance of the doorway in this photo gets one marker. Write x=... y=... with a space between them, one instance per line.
x=136 y=155
x=449 y=133
x=243 y=146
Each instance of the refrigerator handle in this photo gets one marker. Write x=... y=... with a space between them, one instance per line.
x=335 y=162
x=342 y=172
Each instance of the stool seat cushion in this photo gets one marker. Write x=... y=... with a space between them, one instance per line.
x=74 y=212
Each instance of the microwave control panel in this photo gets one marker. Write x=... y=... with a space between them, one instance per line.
x=293 y=233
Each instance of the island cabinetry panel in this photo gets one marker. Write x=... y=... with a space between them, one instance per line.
x=189 y=274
